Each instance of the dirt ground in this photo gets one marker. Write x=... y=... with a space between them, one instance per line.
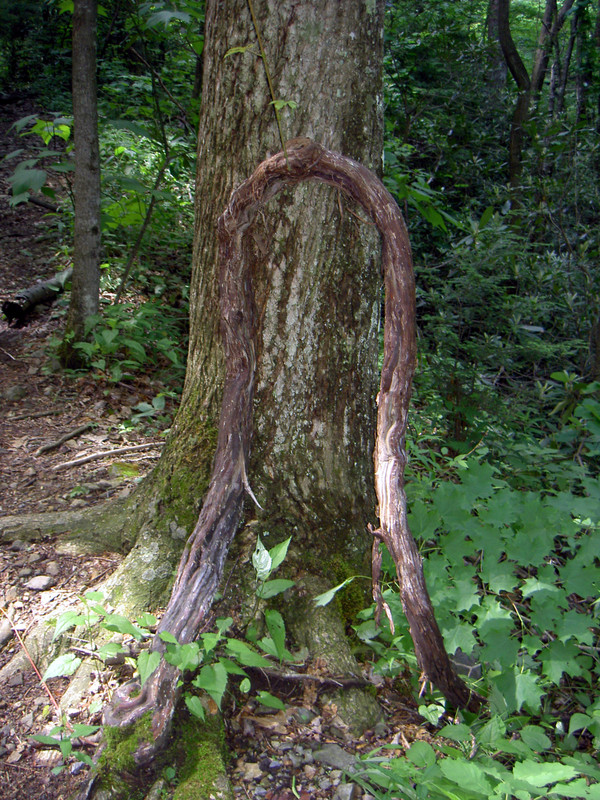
x=272 y=755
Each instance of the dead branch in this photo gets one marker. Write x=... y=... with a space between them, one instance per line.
x=65 y=438
x=106 y=454
x=23 y=302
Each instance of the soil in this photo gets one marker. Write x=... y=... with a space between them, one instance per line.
x=273 y=756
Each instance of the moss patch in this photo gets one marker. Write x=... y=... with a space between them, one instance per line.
x=117 y=759
x=202 y=774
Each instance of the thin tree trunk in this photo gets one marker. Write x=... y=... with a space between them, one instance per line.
x=86 y=183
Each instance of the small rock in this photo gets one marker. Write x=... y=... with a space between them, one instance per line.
x=16 y=679
x=380 y=728
x=251 y=772
x=274 y=765
x=324 y=784
x=52 y=568
x=31 y=559
x=14 y=393
x=6 y=632
x=346 y=791
x=18 y=545
x=47 y=758
x=25 y=572
x=78 y=503
x=309 y=771
x=335 y=756
x=40 y=582
x=27 y=720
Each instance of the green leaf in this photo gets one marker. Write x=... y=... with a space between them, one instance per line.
x=185 y=656
x=120 y=624
x=466 y=773
x=278 y=553
x=147 y=620
x=66 y=664
x=68 y=620
x=168 y=637
x=147 y=663
x=542 y=773
x=276 y=627
x=109 y=650
x=27 y=180
x=270 y=701
x=326 y=598
x=272 y=588
x=212 y=679
x=79 y=729
x=579 y=722
x=261 y=561
x=245 y=654
x=195 y=706
x=421 y=754
x=534 y=737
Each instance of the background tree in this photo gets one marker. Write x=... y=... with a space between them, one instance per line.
x=86 y=182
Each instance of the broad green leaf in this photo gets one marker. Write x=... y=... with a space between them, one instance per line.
x=195 y=706
x=467 y=774
x=542 y=773
x=68 y=620
x=109 y=650
x=245 y=654
x=79 y=729
x=119 y=623
x=276 y=628
x=278 y=553
x=579 y=722
x=147 y=620
x=212 y=679
x=270 y=701
x=273 y=588
x=326 y=598
x=231 y=667
x=147 y=663
x=421 y=754
x=66 y=664
x=261 y=561
x=534 y=737
x=168 y=637
x=185 y=656
x=27 y=180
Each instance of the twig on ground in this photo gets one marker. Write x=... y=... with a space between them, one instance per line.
x=36 y=670
x=35 y=414
x=70 y=435
x=6 y=353
x=106 y=454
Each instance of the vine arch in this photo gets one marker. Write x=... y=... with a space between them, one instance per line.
x=202 y=562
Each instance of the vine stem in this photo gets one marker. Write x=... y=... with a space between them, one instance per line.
x=36 y=670
x=263 y=55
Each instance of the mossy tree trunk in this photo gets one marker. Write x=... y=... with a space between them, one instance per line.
x=314 y=269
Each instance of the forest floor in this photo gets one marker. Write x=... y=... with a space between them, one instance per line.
x=298 y=753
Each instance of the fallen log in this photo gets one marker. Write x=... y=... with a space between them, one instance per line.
x=18 y=308
x=203 y=559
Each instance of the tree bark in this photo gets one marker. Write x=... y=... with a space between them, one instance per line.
x=86 y=182
x=529 y=88
x=318 y=296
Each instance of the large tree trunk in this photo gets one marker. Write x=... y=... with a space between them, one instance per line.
x=318 y=296
x=86 y=183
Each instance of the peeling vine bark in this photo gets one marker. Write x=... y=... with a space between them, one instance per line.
x=203 y=559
